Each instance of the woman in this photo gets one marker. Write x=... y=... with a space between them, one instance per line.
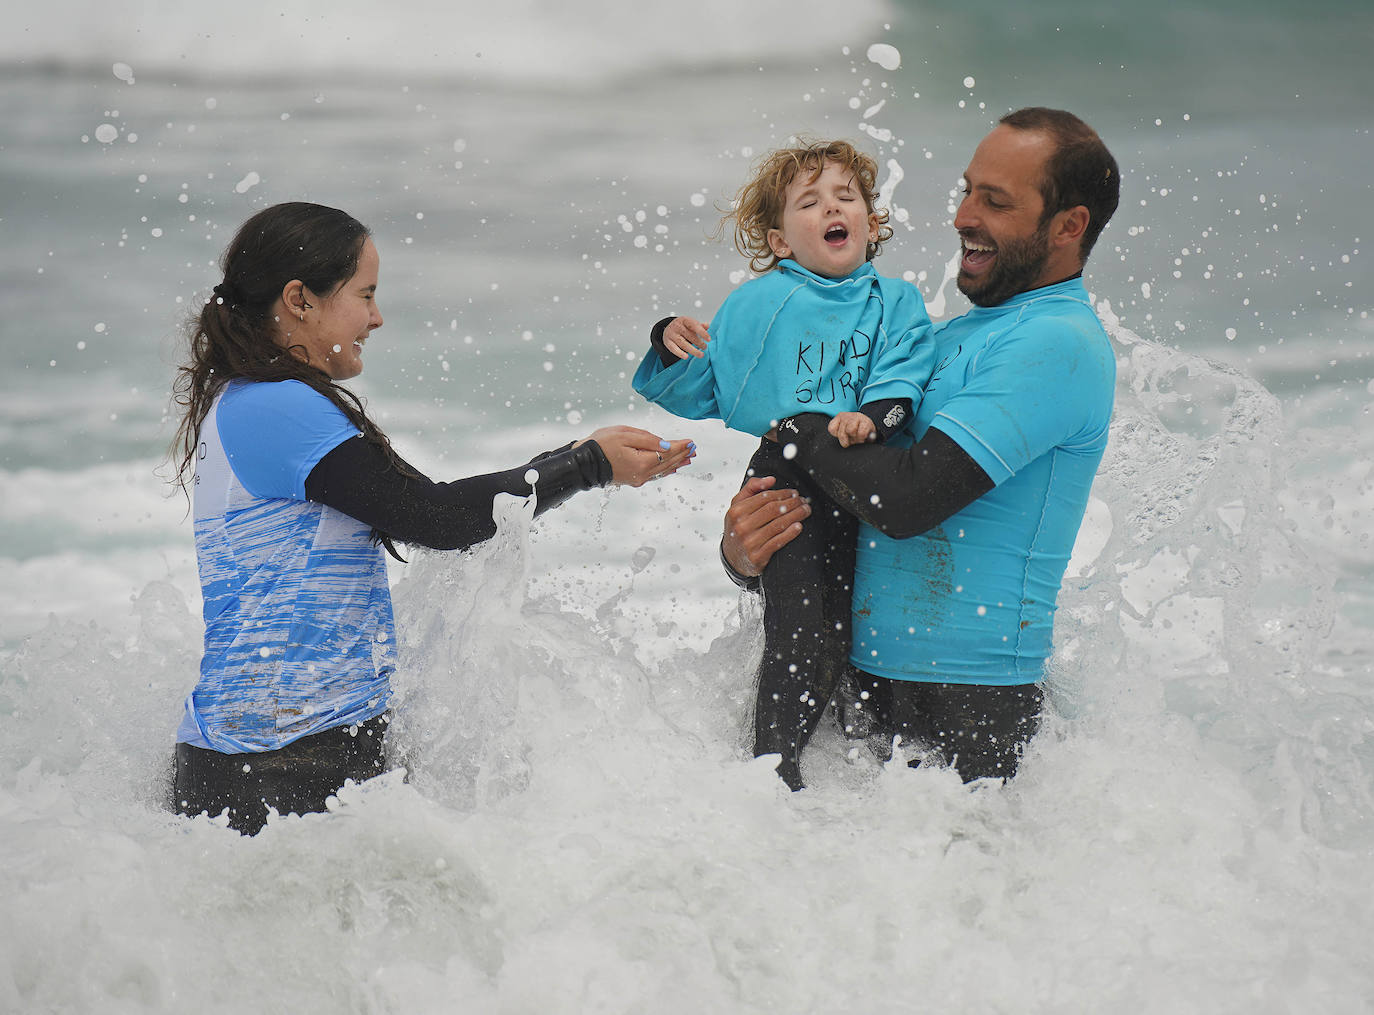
x=295 y=491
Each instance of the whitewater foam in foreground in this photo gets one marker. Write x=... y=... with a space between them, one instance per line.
x=582 y=829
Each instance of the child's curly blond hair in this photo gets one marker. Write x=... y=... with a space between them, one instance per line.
x=758 y=206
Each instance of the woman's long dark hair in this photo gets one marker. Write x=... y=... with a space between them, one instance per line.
x=235 y=334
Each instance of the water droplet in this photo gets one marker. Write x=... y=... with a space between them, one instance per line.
x=887 y=57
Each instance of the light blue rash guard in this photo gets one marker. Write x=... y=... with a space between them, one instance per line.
x=1026 y=390
x=299 y=636
x=792 y=341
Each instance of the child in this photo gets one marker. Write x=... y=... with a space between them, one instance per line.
x=818 y=331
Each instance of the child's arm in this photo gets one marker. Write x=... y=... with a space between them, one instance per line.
x=675 y=338
x=683 y=385
x=873 y=423
x=888 y=415
x=901 y=362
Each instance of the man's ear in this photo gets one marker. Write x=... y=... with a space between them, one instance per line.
x=1069 y=227
x=777 y=244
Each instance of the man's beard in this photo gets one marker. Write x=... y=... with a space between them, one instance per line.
x=1020 y=263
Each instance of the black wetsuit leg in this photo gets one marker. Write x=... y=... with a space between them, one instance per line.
x=297 y=779
x=807 y=587
x=978 y=729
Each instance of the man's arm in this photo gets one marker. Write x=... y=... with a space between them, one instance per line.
x=901 y=492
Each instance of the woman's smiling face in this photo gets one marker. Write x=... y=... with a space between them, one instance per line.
x=335 y=327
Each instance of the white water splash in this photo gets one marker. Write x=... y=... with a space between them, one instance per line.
x=885 y=56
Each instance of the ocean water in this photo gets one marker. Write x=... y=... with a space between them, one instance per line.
x=582 y=830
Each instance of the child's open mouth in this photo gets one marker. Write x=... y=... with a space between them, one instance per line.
x=836 y=234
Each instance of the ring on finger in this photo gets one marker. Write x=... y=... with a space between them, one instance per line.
x=660 y=457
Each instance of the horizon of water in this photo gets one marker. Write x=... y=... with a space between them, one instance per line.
x=582 y=829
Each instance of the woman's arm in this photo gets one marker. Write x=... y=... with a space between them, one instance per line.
x=358 y=479
x=901 y=492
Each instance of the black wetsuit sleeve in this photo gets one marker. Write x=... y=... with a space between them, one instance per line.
x=358 y=479
x=888 y=415
x=748 y=582
x=666 y=356
x=901 y=492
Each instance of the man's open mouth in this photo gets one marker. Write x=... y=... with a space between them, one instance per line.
x=977 y=255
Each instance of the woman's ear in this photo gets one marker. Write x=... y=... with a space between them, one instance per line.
x=294 y=299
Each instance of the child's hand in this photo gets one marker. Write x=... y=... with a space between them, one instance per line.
x=686 y=337
x=851 y=428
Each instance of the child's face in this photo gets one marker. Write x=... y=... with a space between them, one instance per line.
x=826 y=226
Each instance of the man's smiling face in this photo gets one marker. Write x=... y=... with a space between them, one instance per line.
x=1002 y=227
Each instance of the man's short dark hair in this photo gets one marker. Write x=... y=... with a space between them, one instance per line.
x=1081 y=170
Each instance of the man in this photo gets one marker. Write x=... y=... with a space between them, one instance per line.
x=966 y=533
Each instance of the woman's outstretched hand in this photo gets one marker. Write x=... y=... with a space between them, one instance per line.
x=637 y=456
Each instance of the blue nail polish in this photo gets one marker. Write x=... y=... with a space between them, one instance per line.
x=664 y=445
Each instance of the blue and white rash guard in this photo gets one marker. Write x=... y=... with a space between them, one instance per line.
x=299 y=635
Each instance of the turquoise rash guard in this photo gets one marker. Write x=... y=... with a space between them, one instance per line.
x=792 y=341
x=1026 y=390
